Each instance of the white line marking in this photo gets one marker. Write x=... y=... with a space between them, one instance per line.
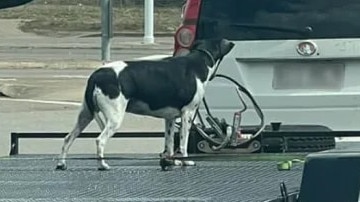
x=10 y=79
x=347 y=139
x=71 y=76
x=152 y=57
x=42 y=101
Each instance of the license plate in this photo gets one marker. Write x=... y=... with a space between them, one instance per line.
x=309 y=75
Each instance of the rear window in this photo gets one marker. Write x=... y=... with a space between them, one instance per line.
x=280 y=19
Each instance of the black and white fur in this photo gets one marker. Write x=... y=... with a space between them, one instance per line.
x=170 y=88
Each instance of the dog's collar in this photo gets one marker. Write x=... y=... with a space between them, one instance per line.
x=209 y=55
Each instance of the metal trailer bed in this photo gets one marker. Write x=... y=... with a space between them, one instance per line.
x=217 y=177
x=139 y=178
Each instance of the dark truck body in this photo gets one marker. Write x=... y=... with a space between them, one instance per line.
x=12 y=3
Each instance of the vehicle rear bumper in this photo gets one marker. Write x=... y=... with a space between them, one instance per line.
x=337 y=112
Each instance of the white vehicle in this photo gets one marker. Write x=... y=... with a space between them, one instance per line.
x=299 y=59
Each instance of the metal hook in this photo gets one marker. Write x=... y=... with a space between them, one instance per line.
x=283 y=191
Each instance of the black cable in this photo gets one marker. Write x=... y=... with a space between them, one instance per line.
x=207 y=107
x=243 y=89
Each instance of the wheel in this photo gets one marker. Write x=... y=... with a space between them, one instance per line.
x=194 y=139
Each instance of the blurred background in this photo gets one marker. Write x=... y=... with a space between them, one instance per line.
x=50 y=17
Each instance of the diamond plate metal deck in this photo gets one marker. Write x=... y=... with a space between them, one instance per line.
x=33 y=178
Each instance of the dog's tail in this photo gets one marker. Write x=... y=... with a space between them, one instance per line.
x=89 y=95
x=103 y=79
x=90 y=102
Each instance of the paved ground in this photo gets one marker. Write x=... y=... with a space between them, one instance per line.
x=69 y=54
x=44 y=73
x=21 y=50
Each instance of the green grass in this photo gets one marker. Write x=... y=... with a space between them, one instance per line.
x=68 y=18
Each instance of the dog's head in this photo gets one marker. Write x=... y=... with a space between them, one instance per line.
x=215 y=49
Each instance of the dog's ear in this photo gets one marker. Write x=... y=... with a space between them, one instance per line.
x=226 y=46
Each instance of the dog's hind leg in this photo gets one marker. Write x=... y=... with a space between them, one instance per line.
x=83 y=120
x=99 y=121
x=114 y=112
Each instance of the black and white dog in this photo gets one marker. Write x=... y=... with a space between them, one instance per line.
x=170 y=88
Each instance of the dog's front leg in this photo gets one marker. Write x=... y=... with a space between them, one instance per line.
x=186 y=122
x=166 y=160
x=169 y=138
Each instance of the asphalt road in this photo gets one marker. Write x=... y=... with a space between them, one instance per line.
x=66 y=54
x=16 y=46
x=43 y=73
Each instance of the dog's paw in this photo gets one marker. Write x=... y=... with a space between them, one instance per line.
x=166 y=164
x=184 y=163
x=103 y=167
x=189 y=163
x=181 y=160
x=61 y=167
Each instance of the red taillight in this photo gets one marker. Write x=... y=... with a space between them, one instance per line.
x=192 y=9
x=185 y=34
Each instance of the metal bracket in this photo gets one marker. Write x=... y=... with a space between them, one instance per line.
x=205 y=147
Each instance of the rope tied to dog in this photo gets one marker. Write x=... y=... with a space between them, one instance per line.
x=208 y=54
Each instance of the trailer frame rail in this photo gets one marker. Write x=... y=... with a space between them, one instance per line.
x=15 y=136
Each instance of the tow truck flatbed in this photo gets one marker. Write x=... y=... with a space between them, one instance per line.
x=133 y=177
